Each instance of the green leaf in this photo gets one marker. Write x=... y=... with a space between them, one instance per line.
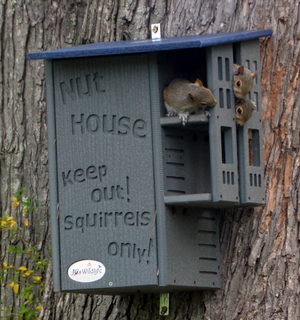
x=11 y=249
x=22 y=190
x=12 y=237
x=36 y=203
x=30 y=315
x=23 y=310
x=22 y=294
x=27 y=301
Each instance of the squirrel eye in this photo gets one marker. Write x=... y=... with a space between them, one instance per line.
x=239 y=110
x=238 y=83
x=203 y=103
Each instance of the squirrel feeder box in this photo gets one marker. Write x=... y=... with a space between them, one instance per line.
x=138 y=192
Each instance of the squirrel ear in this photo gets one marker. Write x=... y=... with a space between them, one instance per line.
x=240 y=70
x=253 y=105
x=254 y=74
x=191 y=96
x=199 y=83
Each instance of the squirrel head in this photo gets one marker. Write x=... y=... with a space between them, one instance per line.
x=242 y=80
x=243 y=110
x=201 y=96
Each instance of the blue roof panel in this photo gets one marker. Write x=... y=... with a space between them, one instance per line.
x=148 y=45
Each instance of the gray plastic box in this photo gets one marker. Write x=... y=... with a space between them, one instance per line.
x=135 y=195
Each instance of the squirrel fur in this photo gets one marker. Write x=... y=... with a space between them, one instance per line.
x=243 y=110
x=182 y=97
x=242 y=81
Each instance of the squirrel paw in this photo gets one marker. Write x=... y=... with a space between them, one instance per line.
x=184 y=117
x=207 y=113
x=171 y=114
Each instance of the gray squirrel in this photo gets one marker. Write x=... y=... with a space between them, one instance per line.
x=182 y=97
x=242 y=84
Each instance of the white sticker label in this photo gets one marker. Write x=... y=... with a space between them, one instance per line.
x=86 y=271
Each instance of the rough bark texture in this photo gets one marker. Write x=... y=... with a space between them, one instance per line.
x=260 y=247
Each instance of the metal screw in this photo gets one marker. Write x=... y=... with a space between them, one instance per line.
x=155 y=31
x=110 y=283
x=163 y=310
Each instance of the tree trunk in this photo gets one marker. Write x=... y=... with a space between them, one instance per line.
x=259 y=247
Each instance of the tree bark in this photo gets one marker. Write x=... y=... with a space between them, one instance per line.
x=259 y=247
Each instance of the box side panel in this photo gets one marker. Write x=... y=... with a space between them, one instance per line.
x=192 y=237
x=222 y=125
x=193 y=247
x=250 y=144
x=105 y=171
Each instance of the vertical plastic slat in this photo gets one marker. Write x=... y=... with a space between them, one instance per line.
x=222 y=127
x=208 y=242
x=251 y=166
x=52 y=176
x=158 y=170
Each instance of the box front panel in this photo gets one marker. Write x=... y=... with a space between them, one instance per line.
x=105 y=173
